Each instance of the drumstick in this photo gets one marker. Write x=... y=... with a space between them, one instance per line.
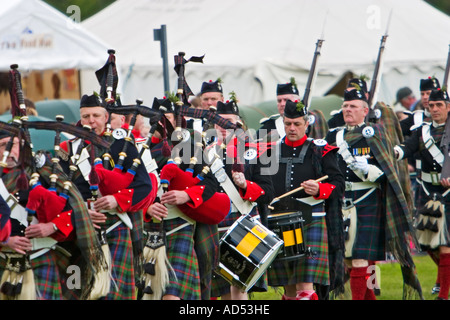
x=293 y=191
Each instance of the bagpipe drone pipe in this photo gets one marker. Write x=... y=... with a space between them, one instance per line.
x=123 y=175
x=40 y=198
x=214 y=209
x=44 y=204
x=108 y=79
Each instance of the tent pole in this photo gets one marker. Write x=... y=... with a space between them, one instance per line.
x=161 y=35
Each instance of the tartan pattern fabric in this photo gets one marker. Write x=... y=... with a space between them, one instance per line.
x=305 y=269
x=369 y=240
x=185 y=284
x=47 y=269
x=85 y=238
x=231 y=218
x=398 y=224
x=206 y=239
x=320 y=127
x=210 y=116
x=391 y=125
x=228 y=221
x=47 y=277
x=123 y=285
x=137 y=240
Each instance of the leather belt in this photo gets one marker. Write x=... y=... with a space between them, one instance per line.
x=356 y=186
x=432 y=177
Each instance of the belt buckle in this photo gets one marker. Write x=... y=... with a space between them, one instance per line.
x=434 y=178
x=347 y=203
x=348 y=186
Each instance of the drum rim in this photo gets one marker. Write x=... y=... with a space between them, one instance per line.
x=259 y=269
x=281 y=214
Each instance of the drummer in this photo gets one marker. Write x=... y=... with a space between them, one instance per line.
x=303 y=160
x=249 y=184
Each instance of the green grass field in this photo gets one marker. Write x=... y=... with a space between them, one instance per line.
x=391 y=282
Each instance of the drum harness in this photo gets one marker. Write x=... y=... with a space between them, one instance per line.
x=239 y=204
x=290 y=161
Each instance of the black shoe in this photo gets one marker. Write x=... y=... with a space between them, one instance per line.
x=436 y=289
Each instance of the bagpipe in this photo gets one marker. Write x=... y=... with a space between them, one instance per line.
x=108 y=79
x=102 y=177
x=42 y=203
x=40 y=197
x=171 y=174
x=217 y=207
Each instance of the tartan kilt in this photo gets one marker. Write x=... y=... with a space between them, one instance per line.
x=47 y=275
x=220 y=286
x=183 y=260
x=123 y=285
x=206 y=246
x=370 y=231
x=305 y=269
x=46 y=271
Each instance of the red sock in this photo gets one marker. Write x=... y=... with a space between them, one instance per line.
x=370 y=295
x=358 y=283
x=444 y=275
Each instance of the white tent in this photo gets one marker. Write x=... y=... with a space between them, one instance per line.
x=36 y=36
x=254 y=44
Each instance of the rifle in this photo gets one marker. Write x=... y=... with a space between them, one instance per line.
x=312 y=75
x=447 y=70
x=373 y=91
x=445 y=142
x=313 y=71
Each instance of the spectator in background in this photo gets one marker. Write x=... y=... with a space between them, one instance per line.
x=406 y=98
x=31 y=108
x=405 y=101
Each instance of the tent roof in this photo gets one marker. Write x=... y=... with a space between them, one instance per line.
x=36 y=36
x=254 y=45
x=242 y=32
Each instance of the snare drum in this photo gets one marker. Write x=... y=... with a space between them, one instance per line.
x=289 y=227
x=246 y=251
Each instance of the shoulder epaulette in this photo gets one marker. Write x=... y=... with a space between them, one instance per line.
x=334 y=112
x=335 y=129
x=272 y=117
x=320 y=142
x=263 y=120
